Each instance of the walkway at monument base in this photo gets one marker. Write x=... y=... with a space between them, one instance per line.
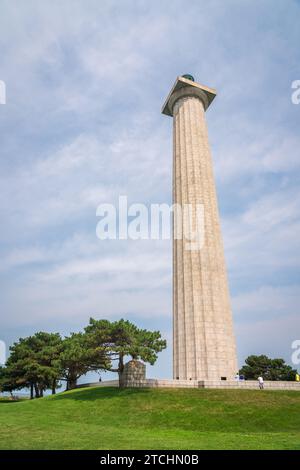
x=223 y=384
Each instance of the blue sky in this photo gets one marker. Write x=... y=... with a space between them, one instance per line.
x=82 y=125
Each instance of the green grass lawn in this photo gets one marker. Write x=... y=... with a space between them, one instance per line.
x=109 y=418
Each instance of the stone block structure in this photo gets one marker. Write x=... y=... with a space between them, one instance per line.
x=212 y=384
x=203 y=340
x=134 y=373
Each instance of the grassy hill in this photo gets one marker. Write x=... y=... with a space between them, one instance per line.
x=108 y=418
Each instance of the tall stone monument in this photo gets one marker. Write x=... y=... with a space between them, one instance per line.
x=203 y=339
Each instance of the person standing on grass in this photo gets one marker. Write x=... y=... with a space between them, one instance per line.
x=260 y=382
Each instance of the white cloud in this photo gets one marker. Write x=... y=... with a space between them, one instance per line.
x=272 y=337
x=267 y=302
x=263 y=240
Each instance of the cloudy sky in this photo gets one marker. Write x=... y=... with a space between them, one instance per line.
x=82 y=125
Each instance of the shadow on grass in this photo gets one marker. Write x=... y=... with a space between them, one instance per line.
x=9 y=400
x=98 y=393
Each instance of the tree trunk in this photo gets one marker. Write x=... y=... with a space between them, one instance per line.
x=37 y=392
x=121 y=369
x=54 y=387
x=71 y=383
x=31 y=391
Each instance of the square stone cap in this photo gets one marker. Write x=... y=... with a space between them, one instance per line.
x=185 y=82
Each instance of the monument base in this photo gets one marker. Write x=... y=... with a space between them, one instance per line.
x=134 y=376
x=213 y=384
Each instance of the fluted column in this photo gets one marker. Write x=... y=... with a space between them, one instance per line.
x=203 y=338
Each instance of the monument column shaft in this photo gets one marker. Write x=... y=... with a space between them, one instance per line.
x=203 y=338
